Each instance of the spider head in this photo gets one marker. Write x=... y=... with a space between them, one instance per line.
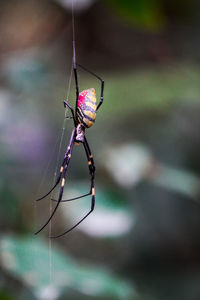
x=80 y=133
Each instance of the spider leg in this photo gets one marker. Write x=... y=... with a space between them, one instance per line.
x=92 y=189
x=102 y=84
x=73 y=198
x=90 y=157
x=75 y=77
x=91 y=170
x=72 y=111
x=57 y=181
x=92 y=208
x=67 y=157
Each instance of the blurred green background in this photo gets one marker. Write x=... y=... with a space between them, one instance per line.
x=142 y=240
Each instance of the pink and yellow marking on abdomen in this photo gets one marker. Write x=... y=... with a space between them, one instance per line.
x=86 y=107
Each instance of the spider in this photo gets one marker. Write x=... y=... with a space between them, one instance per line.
x=84 y=117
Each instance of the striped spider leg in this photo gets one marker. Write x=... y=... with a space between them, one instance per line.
x=92 y=189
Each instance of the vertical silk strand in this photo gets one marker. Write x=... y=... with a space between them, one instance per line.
x=59 y=150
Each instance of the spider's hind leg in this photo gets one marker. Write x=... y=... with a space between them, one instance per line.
x=92 y=189
x=91 y=170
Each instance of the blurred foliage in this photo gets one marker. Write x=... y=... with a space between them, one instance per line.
x=154 y=15
x=4 y=295
x=145 y=13
x=157 y=89
x=28 y=259
x=10 y=206
x=137 y=164
x=111 y=218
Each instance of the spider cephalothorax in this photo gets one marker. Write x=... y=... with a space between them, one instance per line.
x=80 y=134
x=84 y=117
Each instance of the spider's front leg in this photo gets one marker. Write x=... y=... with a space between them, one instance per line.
x=102 y=83
x=72 y=111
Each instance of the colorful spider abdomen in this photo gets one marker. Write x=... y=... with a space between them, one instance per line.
x=86 y=107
